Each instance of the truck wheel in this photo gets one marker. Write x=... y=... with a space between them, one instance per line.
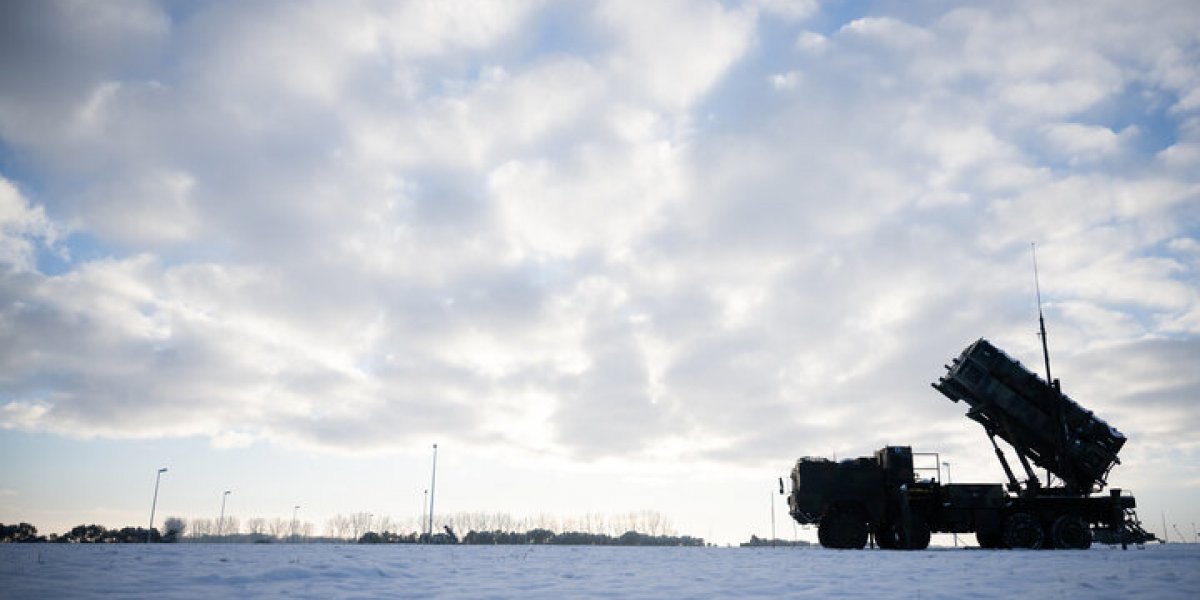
x=991 y=540
x=1071 y=532
x=1022 y=530
x=842 y=529
x=885 y=536
x=920 y=535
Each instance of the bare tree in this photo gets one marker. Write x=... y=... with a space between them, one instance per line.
x=360 y=522
x=279 y=527
x=256 y=526
x=386 y=523
x=409 y=524
x=337 y=526
x=545 y=521
x=652 y=521
x=203 y=527
x=232 y=526
x=503 y=522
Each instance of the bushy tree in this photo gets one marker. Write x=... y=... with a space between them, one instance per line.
x=85 y=534
x=22 y=533
x=174 y=528
x=540 y=536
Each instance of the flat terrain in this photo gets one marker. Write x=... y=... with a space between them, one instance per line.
x=351 y=571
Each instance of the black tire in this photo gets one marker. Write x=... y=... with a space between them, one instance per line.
x=1022 y=530
x=1071 y=532
x=920 y=535
x=918 y=538
x=891 y=536
x=990 y=541
x=843 y=530
x=885 y=536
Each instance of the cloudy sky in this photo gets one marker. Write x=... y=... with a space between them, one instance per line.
x=609 y=256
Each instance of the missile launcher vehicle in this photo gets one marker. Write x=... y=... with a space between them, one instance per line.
x=897 y=499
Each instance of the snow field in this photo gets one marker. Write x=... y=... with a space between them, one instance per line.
x=401 y=571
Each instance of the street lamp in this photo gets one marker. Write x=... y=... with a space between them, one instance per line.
x=294 y=509
x=949 y=480
x=221 y=521
x=772 y=495
x=432 y=491
x=154 y=503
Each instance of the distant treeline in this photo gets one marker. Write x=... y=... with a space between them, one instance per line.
x=84 y=534
x=97 y=534
x=533 y=536
x=483 y=528
x=756 y=542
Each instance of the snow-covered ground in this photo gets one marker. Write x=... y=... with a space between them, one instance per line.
x=351 y=571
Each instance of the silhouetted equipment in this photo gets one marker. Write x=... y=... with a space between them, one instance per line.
x=897 y=495
x=1021 y=409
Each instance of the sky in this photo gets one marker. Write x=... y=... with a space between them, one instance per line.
x=608 y=256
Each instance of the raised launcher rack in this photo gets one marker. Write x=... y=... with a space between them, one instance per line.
x=1024 y=410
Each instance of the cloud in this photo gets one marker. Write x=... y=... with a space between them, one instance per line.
x=1082 y=143
x=670 y=54
x=22 y=226
x=356 y=228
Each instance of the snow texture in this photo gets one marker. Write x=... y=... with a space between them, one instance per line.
x=350 y=571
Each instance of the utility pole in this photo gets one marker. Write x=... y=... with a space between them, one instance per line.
x=294 y=509
x=221 y=521
x=432 y=491
x=772 y=499
x=154 y=503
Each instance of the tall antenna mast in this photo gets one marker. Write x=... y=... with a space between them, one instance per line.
x=1060 y=444
x=1041 y=320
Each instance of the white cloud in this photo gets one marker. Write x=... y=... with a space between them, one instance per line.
x=355 y=229
x=887 y=31
x=672 y=53
x=786 y=81
x=811 y=41
x=601 y=198
x=1080 y=143
x=787 y=9
x=21 y=226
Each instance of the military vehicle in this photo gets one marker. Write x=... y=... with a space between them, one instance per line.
x=898 y=502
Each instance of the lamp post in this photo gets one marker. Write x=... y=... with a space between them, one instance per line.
x=424 y=506
x=154 y=503
x=772 y=495
x=221 y=521
x=950 y=480
x=432 y=491
x=294 y=509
